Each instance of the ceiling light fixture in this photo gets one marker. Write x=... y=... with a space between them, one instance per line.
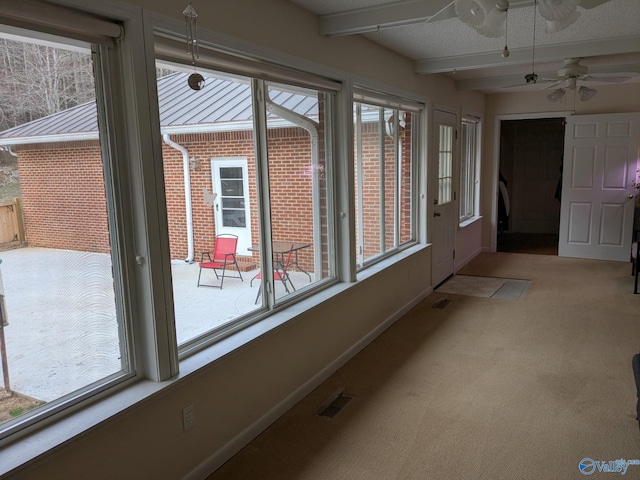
x=586 y=93
x=505 y=50
x=485 y=16
x=556 y=95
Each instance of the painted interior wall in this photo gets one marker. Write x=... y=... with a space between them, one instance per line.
x=239 y=395
x=609 y=99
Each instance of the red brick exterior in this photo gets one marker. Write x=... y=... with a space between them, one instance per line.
x=64 y=197
x=65 y=207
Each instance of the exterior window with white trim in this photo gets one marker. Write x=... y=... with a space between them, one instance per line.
x=385 y=148
x=66 y=333
x=469 y=169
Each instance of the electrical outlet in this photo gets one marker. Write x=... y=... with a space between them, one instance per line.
x=187 y=417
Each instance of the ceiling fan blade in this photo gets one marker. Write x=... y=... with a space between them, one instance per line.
x=555 y=82
x=609 y=77
x=540 y=84
x=592 y=3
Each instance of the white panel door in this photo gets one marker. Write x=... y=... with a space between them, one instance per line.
x=600 y=156
x=444 y=219
x=231 y=202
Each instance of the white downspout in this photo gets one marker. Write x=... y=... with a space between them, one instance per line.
x=9 y=148
x=312 y=128
x=187 y=193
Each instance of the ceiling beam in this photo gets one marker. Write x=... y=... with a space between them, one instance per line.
x=379 y=17
x=396 y=14
x=520 y=56
x=405 y=12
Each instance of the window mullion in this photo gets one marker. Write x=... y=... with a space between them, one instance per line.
x=359 y=173
x=381 y=193
x=398 y=180
x=259 y=95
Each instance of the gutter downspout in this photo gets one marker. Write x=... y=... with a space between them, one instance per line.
x=187 y=193
x=311 y=127
x=9 y=149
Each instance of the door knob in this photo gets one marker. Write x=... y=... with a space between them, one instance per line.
x=630 y=195
x=436 y=214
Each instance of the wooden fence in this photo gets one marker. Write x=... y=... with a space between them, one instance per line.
x=11 y=227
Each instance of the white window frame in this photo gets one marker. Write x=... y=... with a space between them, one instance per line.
x=469 y=170
x=388 y=101
x=143 y=295
x=169 y=49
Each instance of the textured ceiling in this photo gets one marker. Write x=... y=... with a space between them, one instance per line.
x=606 y=36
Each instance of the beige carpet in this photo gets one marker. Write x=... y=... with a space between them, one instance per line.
x=480 y=389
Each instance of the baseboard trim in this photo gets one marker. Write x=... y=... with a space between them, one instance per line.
x=467 y=259
x=218 y=458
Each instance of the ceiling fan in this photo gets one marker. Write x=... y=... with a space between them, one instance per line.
x=567 y=78
x=573 y=76
x=489 y=17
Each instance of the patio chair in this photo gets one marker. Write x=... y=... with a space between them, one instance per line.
x=223 y=256
x=280 y=273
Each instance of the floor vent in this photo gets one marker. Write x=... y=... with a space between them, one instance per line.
x=332 y=405
x=440 y=304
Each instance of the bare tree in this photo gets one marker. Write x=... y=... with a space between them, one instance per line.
x=38 y=80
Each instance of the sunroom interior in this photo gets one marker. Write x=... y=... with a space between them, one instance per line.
x=329 y=143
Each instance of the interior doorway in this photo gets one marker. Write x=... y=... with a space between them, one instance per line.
x=530 y=182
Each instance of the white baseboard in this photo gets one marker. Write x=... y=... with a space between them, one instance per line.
x=218 y=458
x=468 y=258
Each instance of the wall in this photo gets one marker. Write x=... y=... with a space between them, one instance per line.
x=609 y=99
x=239 y=394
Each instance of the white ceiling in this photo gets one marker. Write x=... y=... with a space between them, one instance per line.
x=606 y=37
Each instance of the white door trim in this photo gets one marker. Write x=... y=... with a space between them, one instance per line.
x=496 y=163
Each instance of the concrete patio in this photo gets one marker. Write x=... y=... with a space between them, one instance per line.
x=62 y=333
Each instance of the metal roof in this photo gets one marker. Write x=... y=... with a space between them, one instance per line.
x=223 y=104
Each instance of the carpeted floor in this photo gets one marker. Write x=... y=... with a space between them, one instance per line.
x=481 y=388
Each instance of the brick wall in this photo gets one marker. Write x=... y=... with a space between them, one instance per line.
x=64 y=197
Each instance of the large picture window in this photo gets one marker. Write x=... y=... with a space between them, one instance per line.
x=385 y=151
x=246 y=163
x=66 y=331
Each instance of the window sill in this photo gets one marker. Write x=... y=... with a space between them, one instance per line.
x=470 y=221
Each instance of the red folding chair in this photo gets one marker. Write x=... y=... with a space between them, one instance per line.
x=223 y=256
x=280 y=272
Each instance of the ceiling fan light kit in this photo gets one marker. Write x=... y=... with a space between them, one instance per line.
x=556 y=95
x=586 y=93
x=488 y=17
